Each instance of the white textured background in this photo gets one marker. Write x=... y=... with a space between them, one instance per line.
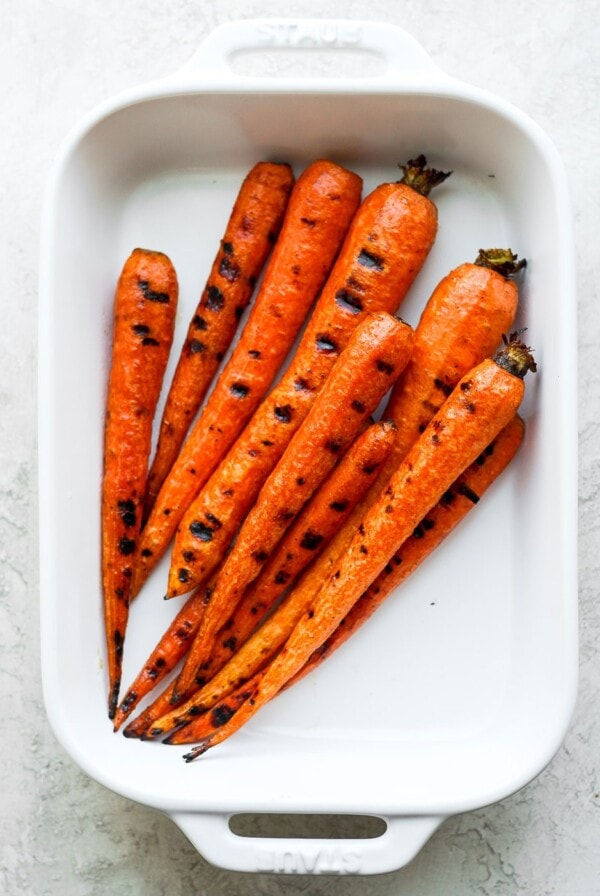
x=60 y=832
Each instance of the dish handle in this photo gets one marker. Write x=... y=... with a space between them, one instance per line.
x=401 y=58
x=212 y=836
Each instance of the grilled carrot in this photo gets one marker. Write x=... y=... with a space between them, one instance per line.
x=318 y=215
x=479 y=298
x=144 y=319
x=461 y=324
x=141 y=724
x=171 y=648
x=328 y=509
x=252 y=229
x=207 y=723
x=452 y=507
x=165 y=714
x=376 y=353
x=387 y=244
x=310 y=532
x=482 y=403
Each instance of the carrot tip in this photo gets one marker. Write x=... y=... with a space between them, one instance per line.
x=128 y=732
x=196 y=752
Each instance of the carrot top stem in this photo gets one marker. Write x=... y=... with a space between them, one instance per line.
x=503 y=261
x=417 y=175
x=515 y=357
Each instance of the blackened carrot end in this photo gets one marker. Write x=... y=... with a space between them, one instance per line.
x=113 y=699
x=417 y=175
x=515 y=357
x=503 y=261
x=196 y=752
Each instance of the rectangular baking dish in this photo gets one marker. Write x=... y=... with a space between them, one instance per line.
x=460 y=689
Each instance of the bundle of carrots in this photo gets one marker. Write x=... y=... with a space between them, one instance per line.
x=293 y=514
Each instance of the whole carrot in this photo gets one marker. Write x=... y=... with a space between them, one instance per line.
x=453 y=506
x=386 y=246
x=461 y=324
x=376 y=353
x=482 y=403
x=319 y=212
x=330 y=506
x=439 y=522
x=252 y=229
x=144 y=319
x=171 y=648
x=307 y=536
x=205 y=724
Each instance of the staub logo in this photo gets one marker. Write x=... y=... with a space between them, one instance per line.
x=309 y=861
x=310 y=34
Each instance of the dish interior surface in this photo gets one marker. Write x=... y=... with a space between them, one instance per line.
x=458 y=689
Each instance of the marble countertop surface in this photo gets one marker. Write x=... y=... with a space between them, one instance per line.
x=60 y=831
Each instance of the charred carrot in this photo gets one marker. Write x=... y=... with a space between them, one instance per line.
x=375 y=355
x=307 y=536
x=461 y=324
x=207 y=723
x=475 y=298
x=452 y=507
x=482 y=403
x=252 y=229
x=327 y=510
x=144 y=319
x=319 y=212
x=160 y=706
x=171 y=648
x=385 y=248
x=165 y=714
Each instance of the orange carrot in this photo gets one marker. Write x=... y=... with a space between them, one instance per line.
x=171 y=648
x=252 y=228
x=375 y=355
x=144 y=319
x=478 y=298
x=208 y=722
x=387 y=244
x=318 y=215
x=482 y=403
x=330 y=506
x=453 y=506
x=160 y=706
x=461 y=324
x=310 y=532
x=441 y=520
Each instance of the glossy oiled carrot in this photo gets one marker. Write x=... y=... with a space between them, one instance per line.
x=252 y=229
x=171 y=648
x=319 y=212
x=204 y=725
x=461 y=324
x=375 y=355
x=482 y=403
x=328 y=509
x=144 y=319
x=235 y=678
x=388 y=242
x=307 y=536
x=439 y=522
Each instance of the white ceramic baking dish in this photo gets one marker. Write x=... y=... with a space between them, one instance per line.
x=459 y=690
